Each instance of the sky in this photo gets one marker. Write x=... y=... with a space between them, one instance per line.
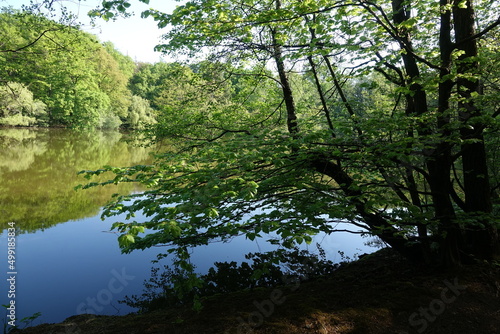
x=132 y=36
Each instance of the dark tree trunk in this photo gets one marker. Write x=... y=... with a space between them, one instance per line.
x=438 y=153
x=481 y=239
x=285 y=83
x=377 y=223
x=439 y=162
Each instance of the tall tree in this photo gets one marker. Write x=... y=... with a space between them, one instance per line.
x=414 y=172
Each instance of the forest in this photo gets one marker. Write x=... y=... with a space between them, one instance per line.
x=284 y=119
x=101 y=88
x=54 y=74
x=310 y=113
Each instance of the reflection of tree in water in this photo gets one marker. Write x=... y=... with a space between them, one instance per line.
x=38 y=173
x=18 y=148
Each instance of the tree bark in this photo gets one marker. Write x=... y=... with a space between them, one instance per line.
x=438 y=152
x=482 y=239
x=292 y=124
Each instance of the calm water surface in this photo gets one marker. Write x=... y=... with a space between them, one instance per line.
x=67 y=260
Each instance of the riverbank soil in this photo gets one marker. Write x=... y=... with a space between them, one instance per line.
x=379 y=294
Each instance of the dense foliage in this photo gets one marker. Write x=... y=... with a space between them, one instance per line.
x=55 y=74
x=305 y=113
x=18 y=106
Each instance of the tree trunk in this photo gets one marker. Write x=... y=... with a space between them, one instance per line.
x=377 y=223
x=285 y=83
x=438 y=152
x=482 y=236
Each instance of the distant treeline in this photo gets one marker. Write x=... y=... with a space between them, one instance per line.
x=57 y=75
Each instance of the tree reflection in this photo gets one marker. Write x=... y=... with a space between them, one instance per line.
x=38 y=173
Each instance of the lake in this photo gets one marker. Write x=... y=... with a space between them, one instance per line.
x=67 y=261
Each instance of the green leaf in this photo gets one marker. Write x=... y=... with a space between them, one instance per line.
x=213 y=213
x=125 y=240
x=134 y=230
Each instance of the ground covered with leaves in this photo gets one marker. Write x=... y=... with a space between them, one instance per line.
x=380 y=293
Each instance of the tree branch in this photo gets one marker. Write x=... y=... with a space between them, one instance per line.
x=33 y=42
x=479 y=34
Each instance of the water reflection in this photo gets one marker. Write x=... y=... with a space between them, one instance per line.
x=38 y=173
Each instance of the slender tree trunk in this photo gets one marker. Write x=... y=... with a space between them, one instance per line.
x=287 y=92
x=416 y=103
x=321 y=95
x=417 y=100
x=285 y=83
